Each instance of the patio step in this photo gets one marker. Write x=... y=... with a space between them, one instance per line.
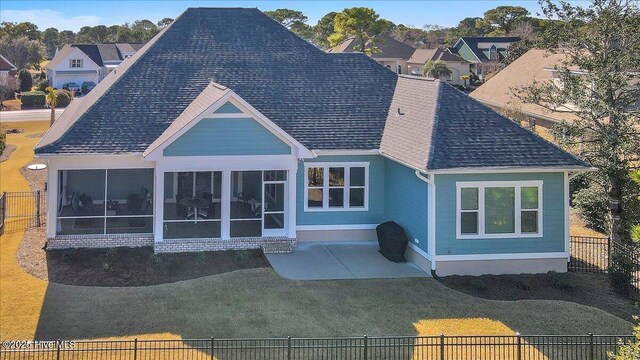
x=278 y=246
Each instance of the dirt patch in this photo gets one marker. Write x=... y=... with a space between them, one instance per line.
x=6 y=152
x=582 y=288
x=126 y=266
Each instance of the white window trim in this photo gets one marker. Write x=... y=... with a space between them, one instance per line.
x=79 y=63
x=481 y=185
x=325 y=186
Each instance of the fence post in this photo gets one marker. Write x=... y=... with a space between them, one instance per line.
x=441 y=346
x=58 y=350
x=366 y=348
x=519 y=346
x=212 y=348
x=288 y=347
x=38 y=208
x=591 y=346
x=135 y=348
x=608 y=253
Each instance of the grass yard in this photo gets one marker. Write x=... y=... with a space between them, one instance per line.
x=257 y=302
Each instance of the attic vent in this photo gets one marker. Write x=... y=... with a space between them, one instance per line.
x=400 y=113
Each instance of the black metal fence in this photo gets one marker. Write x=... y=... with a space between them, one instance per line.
x=592 y=254
x=589 y=254
x=515 y=347
x=21 y=210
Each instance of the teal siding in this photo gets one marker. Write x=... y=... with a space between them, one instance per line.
x=228 y=108
x=227 y=136
x=376 y=212
x=553 y=217
x=406 y=202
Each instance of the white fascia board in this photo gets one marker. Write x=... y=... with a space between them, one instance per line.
x=509 y=170
x=345 y=152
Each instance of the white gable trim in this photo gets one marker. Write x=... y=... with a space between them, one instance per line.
x=473 y=52
x=247 y=111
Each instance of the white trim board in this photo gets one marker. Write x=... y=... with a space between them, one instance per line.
x=326 y=186
x=336 y=227
x=511 y=256
x=419 y=251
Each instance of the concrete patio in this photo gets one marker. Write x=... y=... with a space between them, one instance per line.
x=340 y=260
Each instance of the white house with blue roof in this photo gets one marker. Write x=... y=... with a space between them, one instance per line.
x=227 y=131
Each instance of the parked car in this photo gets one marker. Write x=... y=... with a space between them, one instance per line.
x=88 y=86
x=71 y=86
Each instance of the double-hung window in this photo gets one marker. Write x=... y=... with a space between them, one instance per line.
x=336 y=187
x=75 y=63
x=499 y=209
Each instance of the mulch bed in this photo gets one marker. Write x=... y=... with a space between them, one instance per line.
x=126 y=266
x=140 y=266
x=6 y=152
x=36 y=178
x=582 y=288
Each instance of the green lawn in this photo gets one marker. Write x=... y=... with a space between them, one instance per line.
x=258 y=303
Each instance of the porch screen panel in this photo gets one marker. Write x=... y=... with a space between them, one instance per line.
x=246 y=204
x=81 y=202
x=129 y=201
x=192 y=206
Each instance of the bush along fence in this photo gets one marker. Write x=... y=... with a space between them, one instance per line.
x=503 y=347
x=22 y=210
x=601 y=255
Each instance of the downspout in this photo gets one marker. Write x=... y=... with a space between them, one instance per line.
x=431 y=191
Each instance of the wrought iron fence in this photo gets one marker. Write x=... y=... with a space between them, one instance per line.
x=589 y=254
x=592 y=254
x=21 y=210
x=515 y=347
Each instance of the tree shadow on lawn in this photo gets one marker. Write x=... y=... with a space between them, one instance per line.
x=259 y=303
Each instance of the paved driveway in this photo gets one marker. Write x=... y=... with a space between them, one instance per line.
x=343 y=260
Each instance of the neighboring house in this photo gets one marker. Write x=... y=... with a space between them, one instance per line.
x=482 y=50
x=404 y=59
x=86 y=62
x=6 y=67
x=456 y=64
x=268 y=141
x=393 y=54
x=535 y=64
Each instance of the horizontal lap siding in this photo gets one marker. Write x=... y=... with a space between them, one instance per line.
x=553 y=217
x=376 y=212
x=227 y=136
x=406 y=202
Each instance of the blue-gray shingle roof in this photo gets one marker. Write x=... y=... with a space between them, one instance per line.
x=325 y=101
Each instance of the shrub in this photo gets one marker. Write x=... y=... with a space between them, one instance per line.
x=594 y=208
x=64 y=98
x=33 y=99
x=42 y=85
x=621 y=273
x=561 y=281
x=25 y=80
x=201 y=259
x=242 y=257
x=3 y=140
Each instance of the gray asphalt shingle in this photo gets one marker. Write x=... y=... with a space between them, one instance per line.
x=325 y=101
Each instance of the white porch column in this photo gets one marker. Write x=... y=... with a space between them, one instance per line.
x=292 y=182
x=158 y=205
x=225 y=199
x=52 y=199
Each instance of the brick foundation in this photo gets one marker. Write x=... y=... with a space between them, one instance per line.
x=99 y=241
x=269 y=245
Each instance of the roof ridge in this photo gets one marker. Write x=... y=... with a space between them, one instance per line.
x=417 y=77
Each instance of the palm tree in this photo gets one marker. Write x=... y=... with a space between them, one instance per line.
x=436 y=69
x=52 y=100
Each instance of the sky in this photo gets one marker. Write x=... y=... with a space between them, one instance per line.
x=72 y=15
